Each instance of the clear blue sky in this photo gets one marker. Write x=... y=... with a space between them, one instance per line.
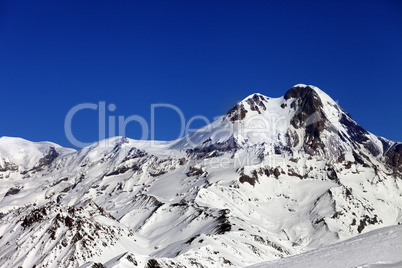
x=202 y=56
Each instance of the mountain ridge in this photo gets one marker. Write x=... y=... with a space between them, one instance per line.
x=271 y=178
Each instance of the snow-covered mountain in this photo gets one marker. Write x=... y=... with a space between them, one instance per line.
x=380 y=248
x=272 y=178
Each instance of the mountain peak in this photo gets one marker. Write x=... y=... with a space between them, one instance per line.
x=200 y=200
x=305 y=116
x=255 y=102
x=306 y=103
x=301 y=91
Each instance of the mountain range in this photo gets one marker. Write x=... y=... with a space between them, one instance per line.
x=272 y=178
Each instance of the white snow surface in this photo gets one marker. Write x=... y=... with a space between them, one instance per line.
x=376 y=249
x=26 y=154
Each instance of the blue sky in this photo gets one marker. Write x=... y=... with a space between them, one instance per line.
x=202 y=56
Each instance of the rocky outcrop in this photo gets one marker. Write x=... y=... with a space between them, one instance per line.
x=308 y=115
x=394 y=157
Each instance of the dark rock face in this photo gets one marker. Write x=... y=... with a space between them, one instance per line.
x=314 y=128
x=252 y=179
x=131 y=258
x=354 y=130
x=12 y=191
x=359 y=134
x=394 y=157
x=8 y=167
x=244 y=178
x=68 y=221
x=208 y=149
x=237 y=113
x=97 y=265
x=277 y=173
x=310 y=101
x=134 y=153
x=293 y=138
x=307 y=103
x=366 y=221
x=256 y=103
x=49 y=158
x=152 y=263
x=45 y=161
x=118 y=171
x=223 y=223
x=36 y=216
x=308 y=114
x=332 y=175
x=193 y=171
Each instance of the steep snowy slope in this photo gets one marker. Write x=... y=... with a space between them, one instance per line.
x=273 y=177
x=21 y=155
x=376 y=249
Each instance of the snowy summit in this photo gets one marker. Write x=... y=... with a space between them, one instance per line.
x=271 y=179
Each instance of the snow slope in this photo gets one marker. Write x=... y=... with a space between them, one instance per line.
x=25 y=155
x=376 y=249
x=274 y=177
